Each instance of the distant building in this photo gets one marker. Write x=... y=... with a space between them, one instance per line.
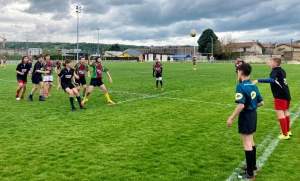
x=34 y=51
x=248 y=48
x=112 y=53
x=132 y=53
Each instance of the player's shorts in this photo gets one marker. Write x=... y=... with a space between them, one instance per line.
x=158 y=76
x=22 y=81
x=247 y=122
x=48 y=78
x=4 y=62
x=65 y=86
x=36 y=79
x=194 y=63
x=81 y=80
x=96 y=82
x=281 y=104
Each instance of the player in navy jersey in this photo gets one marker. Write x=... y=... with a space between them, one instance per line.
x=157 y=73
x=281 y=94
x=65 y=78
x=37 y=80
x=248 y=99
x=22 y=70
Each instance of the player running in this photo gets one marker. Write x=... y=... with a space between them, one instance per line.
x=37 y=80
x=80 y=69
x=96 y=79
x=64 y=80
x=157 y=73
x=48 y=77
x=22 y=71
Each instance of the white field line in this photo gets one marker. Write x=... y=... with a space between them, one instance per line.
x=207 y=102
x=270 y=148
x=146 y=97
x=131 y=93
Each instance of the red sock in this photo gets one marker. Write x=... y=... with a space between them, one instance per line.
x=283 y=126
x=17 y=92
x=288 y=123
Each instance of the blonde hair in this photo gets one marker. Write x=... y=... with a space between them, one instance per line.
x=277 y=60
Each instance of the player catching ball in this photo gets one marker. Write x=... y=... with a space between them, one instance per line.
x=96 y=79
x=64 y=81
x=248 y=99
x=22 y=71
x=157 y=73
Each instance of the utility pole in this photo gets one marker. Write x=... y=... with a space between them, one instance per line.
x=98 y=42
x=26 y=45
x=212 y=46
x=78 y=10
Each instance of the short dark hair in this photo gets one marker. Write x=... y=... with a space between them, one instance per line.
x=41 y=56
x=245 y=68
x=47 y=55
x=81 y=57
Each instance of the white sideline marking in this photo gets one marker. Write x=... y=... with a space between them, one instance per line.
x=270 y=148
x=216 y=103
x=133 y=93
x=146 y=97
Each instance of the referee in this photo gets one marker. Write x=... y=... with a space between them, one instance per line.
x=248 y=99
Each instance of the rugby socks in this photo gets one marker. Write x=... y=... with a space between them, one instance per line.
x=249 y=162
x=17 y=93
x=157 y=84
x=254 y=157
x=288 y=123
x=283 y=125
x=30 y=95
x=72 y=102
x=79 y=100
x=107 y=97
x=40 y=97
x=161 y=84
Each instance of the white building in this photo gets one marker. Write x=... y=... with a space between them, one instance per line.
x=34 y=51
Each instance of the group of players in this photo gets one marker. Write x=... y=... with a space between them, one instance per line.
x=249 y=98
x=68 y=77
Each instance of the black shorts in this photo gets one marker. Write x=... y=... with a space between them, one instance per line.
x=24 y=79
x=36 y=79
x=158 y=75
x=194 y=63
x=247 y=122
x=81 y=80
x=96 y=82
x=65 y=86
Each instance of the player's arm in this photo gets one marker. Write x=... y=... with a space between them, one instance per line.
x=153 y=71
x=76 y=70
x=236 y=112
x=266 y=80
x=108 y=75
x=89 y=60
x=38 y=69
x=75 y=76
x=58 y=81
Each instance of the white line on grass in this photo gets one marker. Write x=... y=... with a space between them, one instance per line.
x=146 y=97
x=270 y=148
x=207 y=102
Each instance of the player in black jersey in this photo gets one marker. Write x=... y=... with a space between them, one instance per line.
x=65 y=78
x=281 y=94
x=37 y=80
x=22 y=71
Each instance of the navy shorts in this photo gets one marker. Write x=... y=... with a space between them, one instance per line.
x=81 y=80
x=36 y=79
x=65 y=86
x=247 y=121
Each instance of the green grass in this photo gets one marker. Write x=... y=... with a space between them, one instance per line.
x=176 y=134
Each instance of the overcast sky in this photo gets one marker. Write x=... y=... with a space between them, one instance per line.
x=149 y=22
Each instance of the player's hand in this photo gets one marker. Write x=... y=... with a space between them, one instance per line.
x=89 y=57
x=110 y=80
x=47 y=72
x=22 y=73
x=229 y=122
x=76 y=83
x=254 y=81
x=58 y=86
x=77 y=77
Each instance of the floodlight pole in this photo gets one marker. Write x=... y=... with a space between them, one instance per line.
x=78 y=10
